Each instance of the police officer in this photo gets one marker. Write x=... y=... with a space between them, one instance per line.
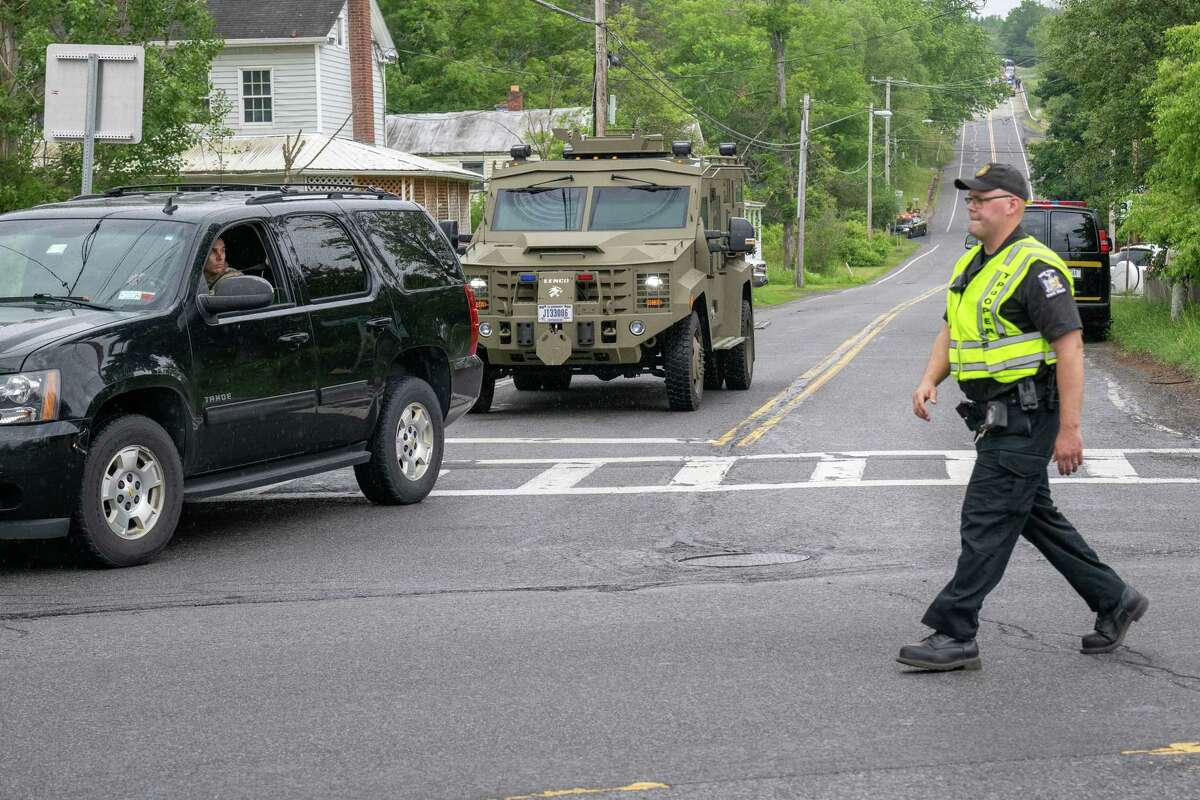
x=1013 y=339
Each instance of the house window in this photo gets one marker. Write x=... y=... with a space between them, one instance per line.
x=477 y=168
x=256 y=96
x=339 y=30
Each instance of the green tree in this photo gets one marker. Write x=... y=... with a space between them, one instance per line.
x=1098 y=145
x=180 y=44
x=1016 y=34
x=1169 y=211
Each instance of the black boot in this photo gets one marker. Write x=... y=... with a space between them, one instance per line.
x=1111 y=627
x=941 y=653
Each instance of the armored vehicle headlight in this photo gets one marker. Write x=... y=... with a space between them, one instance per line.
x=637 y=327
x=478 y=285
x=653 y=282
x=681 y=149
x=29 y=397
x=485 y=329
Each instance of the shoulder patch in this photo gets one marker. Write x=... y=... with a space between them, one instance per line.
x=1052 y=282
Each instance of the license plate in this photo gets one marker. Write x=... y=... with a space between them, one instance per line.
x=547 y=313
x=1076 y=272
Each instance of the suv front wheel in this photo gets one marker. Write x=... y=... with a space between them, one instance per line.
x=406 y=447
x=132 y=493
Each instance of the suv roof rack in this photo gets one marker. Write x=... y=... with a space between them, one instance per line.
x=284 y=193
x=180 y=188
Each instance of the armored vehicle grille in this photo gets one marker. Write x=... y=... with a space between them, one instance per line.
x=613 y=288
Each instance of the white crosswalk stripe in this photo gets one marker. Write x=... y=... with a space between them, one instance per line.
x=496 y=477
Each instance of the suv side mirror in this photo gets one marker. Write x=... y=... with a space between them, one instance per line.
x=450 y=228
x=460 y=244
x=741 y=235
x=237 y=293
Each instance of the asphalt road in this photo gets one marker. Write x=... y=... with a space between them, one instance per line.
x=545 y=623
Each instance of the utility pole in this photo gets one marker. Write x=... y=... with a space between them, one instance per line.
x=870 y=158
x=600 y=97
x=887 y=133
x=801 y=192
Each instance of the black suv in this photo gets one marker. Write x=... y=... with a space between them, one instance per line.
x=134 y=375
x=1073 y=231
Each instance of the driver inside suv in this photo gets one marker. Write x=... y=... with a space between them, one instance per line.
x=216 y=267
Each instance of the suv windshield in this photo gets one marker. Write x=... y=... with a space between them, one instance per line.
x=639 y=208
x=539 y=209
x=121 y=263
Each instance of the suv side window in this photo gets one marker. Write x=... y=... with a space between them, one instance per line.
x=328 y=262
x=413 y=248
x=1073 y=232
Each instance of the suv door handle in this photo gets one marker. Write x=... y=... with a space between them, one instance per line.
x=294 y=339
x=379 y=322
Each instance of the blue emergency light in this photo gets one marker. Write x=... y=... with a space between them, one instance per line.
x=528 y=277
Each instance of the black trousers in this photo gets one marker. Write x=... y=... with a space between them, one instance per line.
x=1009 y=496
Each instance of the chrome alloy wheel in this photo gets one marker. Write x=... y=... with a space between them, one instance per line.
x=414 y=441
x=131 y=492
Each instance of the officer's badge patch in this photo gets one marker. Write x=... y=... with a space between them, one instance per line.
x=1052 y=282
x=983 y=170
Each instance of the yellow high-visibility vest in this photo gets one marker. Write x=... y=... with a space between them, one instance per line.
x=983 y=344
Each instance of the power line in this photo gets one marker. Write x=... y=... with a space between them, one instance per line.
x=571 y=14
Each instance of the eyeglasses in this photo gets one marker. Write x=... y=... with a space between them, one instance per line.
x=969 y=201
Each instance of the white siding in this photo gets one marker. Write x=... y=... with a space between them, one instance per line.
x=335 y=91
x=377 y=92
x=293 y=86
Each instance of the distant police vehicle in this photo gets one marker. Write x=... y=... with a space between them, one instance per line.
x=625 y=257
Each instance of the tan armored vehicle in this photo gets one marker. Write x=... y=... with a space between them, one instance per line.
x=626 y=256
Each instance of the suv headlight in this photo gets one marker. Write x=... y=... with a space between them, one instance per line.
x=29 y=397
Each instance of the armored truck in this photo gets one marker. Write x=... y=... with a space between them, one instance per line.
x=625 y=257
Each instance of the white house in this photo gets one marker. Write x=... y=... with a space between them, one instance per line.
x=303 y=85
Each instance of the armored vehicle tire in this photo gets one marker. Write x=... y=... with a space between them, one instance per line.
x=487 y=393
x=556 y=380
x=739 y=361
x=683 y=359
x=131 y=494
x=406 y=446
x=527 y=380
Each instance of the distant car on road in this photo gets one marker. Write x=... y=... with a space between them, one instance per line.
x=911 y=226
x=138 y=370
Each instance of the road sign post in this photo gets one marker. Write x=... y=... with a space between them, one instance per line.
x=93 y=93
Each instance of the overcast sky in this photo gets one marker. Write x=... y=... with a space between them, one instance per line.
x=1000 y=8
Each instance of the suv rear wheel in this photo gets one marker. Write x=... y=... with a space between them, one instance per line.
x=683 y=357
x=406 y=447
x=132 y=493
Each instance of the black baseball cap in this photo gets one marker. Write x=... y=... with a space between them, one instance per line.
x=996 y=176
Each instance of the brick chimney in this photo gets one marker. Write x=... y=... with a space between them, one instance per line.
x=516 y=100
x=362 y=57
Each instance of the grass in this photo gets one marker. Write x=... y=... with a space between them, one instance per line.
x=1030 y=78
x=780 y=288
x=914 y=182
x=1146 y=328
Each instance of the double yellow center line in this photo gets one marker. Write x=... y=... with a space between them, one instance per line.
x=771 y=413
x=992 y=137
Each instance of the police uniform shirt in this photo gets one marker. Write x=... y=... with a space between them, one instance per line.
x=1042 y=302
